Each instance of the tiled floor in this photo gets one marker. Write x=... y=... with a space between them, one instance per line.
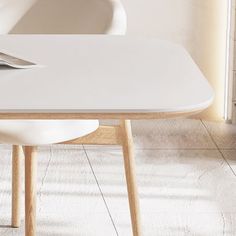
x=186 y=175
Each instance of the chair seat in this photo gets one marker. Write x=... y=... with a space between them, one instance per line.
x=42 y=132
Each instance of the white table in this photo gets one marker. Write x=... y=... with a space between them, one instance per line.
x=101 y=74
x=99 y=77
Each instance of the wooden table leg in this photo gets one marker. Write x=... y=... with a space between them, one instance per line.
x=30 y=190
x=17 y=154
x=129 y=164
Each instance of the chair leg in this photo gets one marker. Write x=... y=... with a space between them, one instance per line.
x=30 y=190
x=17 y=154
x=129 y=164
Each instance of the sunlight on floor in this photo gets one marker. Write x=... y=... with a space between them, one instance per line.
x=186 y=176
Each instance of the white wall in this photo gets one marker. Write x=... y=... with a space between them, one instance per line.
x=232 y=69
x=200 y=25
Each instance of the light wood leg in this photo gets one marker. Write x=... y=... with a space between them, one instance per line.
x=17 y=154
x=30 y=190
x=130 y=173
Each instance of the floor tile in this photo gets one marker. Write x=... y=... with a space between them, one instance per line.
x=72 y=193
x=223 y=134
x=171 y=134
x=171 y=182
x=190 y=224
x=184 y=190
x=230 y=156
x=68 y=199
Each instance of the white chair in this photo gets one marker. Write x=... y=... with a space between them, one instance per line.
x=86 y=16
x=73 y=17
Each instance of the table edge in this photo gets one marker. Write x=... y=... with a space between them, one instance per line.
x=83 y=116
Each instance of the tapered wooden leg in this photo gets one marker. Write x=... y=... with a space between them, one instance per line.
x=17 y=154
x=30 y=190
x=130 y=173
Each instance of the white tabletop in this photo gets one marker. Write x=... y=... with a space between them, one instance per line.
x=100 y=74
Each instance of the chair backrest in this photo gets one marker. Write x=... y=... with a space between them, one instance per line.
x=11 y=12
x=73 y=17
